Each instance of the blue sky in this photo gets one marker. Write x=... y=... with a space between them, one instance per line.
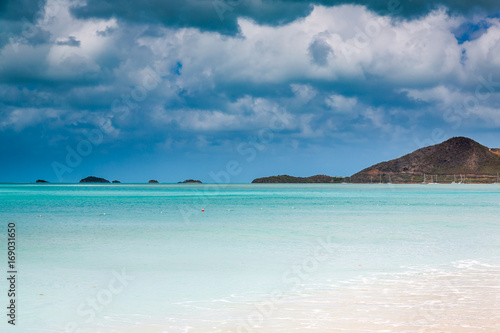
x=228 y=91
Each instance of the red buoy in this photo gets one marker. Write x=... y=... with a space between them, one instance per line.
x=202 y=210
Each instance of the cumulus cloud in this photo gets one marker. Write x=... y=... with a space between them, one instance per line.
x=422 y=51
x=303 y=92
x=340 y=103
x=20 y=118
x=347 y=48
x=456 y=106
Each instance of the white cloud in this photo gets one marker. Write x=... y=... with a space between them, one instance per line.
x=363 y=44
x=377 y=117
x=72 y=51
x=442 y=95
x=195 y=120
x=340 y=103
x=303 y=92
x=62 y=25
x=482 y=53
x=21 y=118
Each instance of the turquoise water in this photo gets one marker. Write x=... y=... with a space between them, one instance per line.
x=181 y=269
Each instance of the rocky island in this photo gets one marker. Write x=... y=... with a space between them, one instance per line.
x=292 y=179
x=190 y=181
x=41 y=181
x=116 y=182
x=92 y=179
x=152 y=181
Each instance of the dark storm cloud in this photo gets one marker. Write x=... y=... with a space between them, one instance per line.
x=14 y=10
x=414 y=8
x=222 y=15
x=16 y=33
x=17 y=22
x=217 y=15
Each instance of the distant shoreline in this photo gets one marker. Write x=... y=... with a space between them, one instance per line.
x=458 y=160
x=256 y=184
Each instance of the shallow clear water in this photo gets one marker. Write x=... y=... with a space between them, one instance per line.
x=146 y=258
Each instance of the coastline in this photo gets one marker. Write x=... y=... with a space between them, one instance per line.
x=462 y=297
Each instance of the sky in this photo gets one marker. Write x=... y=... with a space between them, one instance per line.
x=231 y=90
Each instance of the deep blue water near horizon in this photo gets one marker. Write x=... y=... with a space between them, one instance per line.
x=102 y=257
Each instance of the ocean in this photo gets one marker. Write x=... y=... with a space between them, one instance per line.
x=252 y=257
